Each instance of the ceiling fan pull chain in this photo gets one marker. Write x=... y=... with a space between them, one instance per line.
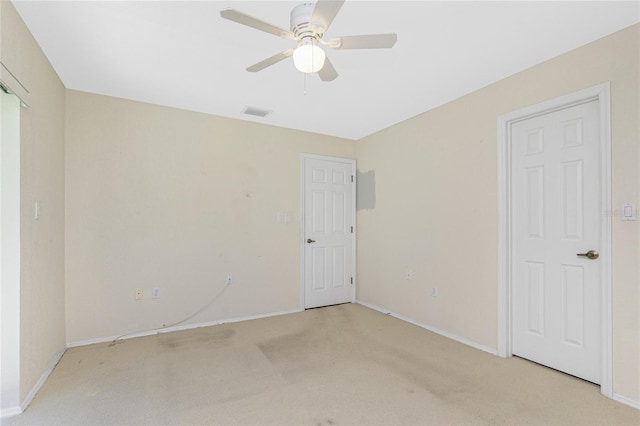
x=304 y=91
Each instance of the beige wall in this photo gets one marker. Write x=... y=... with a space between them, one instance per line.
x=436 y=192
x=159 y=197
x=42 y=329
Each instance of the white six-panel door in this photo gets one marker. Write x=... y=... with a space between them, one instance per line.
x=328 y=231
x=556 y=216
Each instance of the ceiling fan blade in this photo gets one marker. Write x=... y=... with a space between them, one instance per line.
x=270 y=61
x=328 y=72
x=324 y=13
x=249 y=21
x=372 y=41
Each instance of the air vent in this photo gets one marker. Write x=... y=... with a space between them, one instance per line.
x=258 y=112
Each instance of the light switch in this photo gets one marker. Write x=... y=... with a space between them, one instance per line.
x=629 y=211
x=284 y=217
x=37 y=211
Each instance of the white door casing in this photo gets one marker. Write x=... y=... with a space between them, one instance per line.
x=328 y=231
x=10 y=399
x=568 y=267
x=555 y=211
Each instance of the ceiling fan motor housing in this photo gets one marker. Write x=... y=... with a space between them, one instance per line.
x=301 y=25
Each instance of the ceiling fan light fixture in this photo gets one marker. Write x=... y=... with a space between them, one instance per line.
x=308 y=57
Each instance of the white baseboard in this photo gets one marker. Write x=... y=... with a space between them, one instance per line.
x=178 y=328
x=10 y=412
x=627 y=401
x=430 y=328
x=43 y=378
x=14 y=411
x=622 y=399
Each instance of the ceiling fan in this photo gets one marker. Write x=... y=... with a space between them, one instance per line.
x=308 y=26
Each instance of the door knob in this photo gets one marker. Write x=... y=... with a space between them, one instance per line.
x=309 y=241
x=591 y=254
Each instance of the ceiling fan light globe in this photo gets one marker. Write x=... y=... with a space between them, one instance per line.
x=309 y=58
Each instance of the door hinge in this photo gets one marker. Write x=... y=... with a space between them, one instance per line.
x=351 y=178
x=351 y=280
x=352 y=229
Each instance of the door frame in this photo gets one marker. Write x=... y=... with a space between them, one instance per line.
x=10 y=260
x=601 y=93
x=352 y=162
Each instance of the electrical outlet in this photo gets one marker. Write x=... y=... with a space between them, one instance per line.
x=138 y=294
x=229 y=279
x=408 y=275
x=434 y=291
x=155 y=293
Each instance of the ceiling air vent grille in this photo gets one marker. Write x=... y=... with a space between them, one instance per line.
x=258 y=112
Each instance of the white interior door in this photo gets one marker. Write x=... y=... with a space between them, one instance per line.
x=556 y=213
x=329 y=212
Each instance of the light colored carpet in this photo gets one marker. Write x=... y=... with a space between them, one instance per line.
x=339 y=365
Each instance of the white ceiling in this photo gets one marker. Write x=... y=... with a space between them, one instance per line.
x=183 y=54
